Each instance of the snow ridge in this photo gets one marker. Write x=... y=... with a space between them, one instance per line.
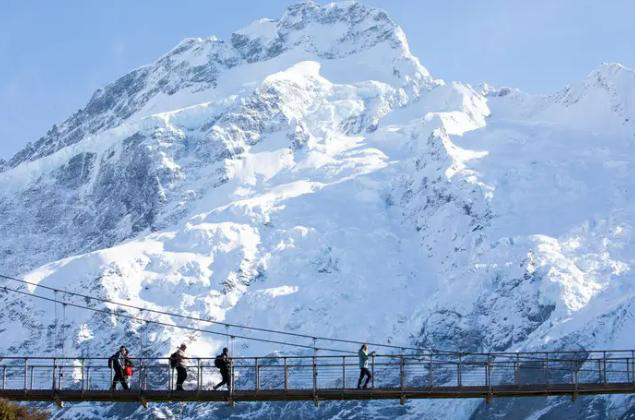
x=310 y=175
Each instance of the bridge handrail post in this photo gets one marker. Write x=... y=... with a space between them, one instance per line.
x=401 y=371
x=633 y=366
x=315 y=373
x=604 y=364
x=82 y=368
x=26 y=362
x=198 y=374
x=488 y=373
x=517 y=369
x=459 y=368
x=144 y=377
x=4 y=377
x=31 y=378
x=546 y=368
x=88 y=377
x=257 y=378
x=372 y=371
x=170 y=377
x=430 y=375
x=575 y=374
x=54 y=373
x=343 y=372
x=286 y=375
x=232 y=375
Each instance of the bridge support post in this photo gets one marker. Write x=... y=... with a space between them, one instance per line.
x=199 y=380
x=372 y=373
x=546 y=368
x=230 y=389
x=343 y=372
x=54 y=373
x=25 y=372
x=4 y=377
x=286 y=375
x=604 y=364
x=257 y=379
x=459 y=368
x=517 y=370
x=315 y=373
x=401 y=372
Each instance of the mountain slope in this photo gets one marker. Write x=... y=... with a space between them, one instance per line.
x=310 y=175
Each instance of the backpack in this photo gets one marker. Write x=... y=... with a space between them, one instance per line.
x=111 y=361
x=173 y=360
x=219 y=362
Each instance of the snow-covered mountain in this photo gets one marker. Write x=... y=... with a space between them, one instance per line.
x=310 y=175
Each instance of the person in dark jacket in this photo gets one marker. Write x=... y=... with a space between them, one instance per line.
x=363 y=366
x=223 y=362
x=117 y=362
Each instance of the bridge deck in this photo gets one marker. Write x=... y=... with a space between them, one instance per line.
x=322 y=394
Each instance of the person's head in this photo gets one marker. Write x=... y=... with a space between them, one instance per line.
x=225 y=350
x=183 y=347
x=123 y=349
x=365 y=347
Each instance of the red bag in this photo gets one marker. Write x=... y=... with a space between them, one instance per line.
x=128 y=371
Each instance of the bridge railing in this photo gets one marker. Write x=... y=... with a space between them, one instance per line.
x=395 y=371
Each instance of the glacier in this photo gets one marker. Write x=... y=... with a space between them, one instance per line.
x=310 y=175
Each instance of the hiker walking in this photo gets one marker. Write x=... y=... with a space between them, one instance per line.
x=223 y=362
x=363 y=366
x=117 y=362
x=177 y=361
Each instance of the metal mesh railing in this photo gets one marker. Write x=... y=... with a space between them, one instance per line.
x=401 y=371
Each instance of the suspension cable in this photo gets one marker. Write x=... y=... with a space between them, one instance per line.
x=226 y=324
x=165 y=324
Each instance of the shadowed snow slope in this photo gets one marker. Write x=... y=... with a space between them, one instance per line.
x=310 y=175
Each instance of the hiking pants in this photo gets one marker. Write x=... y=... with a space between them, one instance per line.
x=119 y=378
x=227 y=380
x=364 y=372
x=181 y=376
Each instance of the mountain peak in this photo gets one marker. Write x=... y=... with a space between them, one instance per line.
x=349 y=33
x=331 y=30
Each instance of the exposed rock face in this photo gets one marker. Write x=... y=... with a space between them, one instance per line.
x=309 y=175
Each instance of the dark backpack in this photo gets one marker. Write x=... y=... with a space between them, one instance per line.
x=219 y=361
x=174 y=360
x=111 y=361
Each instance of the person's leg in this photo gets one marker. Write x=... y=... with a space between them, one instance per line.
x=368 y=377
x=361 y=376
x=117 y=378
x=124 y=383
x=224 y=381
x=181 y=376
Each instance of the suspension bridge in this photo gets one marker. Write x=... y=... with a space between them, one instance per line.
x=321 y=378
x=327 y=374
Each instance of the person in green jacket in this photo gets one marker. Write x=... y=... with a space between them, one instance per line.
x=363 y=366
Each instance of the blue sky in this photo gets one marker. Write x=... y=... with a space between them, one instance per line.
x=55 y=54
